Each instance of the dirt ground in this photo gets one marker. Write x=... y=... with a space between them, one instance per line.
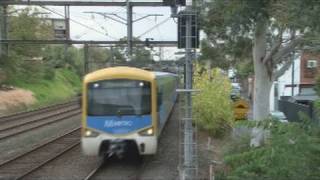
x=13 y=99
x=210 y=153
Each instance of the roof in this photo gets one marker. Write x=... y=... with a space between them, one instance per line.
x=158 y=73
x=121 y=72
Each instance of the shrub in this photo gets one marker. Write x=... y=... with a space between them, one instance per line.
x=291 y=152
x=212 y=106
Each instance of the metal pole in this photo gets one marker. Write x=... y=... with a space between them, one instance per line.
x=292 y=76
x=112 y=58
x=188 y=138
x=129 y=29
x=67 y=24
x=67 y=21
x=86 y=58
x=1 y=31
x=4 y=30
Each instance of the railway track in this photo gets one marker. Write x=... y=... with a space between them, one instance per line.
x=35 y=112
x=130 y=167
x=21 y=124
x=94 y=171
x=22 y=165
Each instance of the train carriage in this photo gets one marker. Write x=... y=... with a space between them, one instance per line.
x=124 y=106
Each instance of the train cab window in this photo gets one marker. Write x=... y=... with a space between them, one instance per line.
x=119 y=97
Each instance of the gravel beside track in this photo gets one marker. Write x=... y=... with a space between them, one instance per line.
x=22 y=165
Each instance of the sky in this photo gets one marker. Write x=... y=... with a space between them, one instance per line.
x=107 y=29
x=103 y=29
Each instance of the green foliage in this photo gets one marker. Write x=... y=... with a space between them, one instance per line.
x=291 y=152
x=230 y=24
x=24 y=61
x=212 y=106
x=64 y=85
x=28 y=26
x=244 y=69
x=55 y=56
x=49 y=71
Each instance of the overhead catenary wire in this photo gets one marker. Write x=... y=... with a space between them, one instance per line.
x=154 y=27
x=79 y=23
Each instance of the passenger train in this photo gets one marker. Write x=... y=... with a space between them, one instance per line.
x=123 y=106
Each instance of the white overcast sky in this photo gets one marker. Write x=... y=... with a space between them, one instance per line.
x=115 y=30
x=107 y=29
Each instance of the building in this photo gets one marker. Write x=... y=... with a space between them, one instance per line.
x=309 y=71
x=298 y=80
x=59 y=28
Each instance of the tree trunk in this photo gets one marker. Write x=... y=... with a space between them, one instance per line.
x=263 y=79
x=262 y=83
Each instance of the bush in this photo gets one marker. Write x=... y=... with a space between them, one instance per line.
x=291 y=152
x=212 y=106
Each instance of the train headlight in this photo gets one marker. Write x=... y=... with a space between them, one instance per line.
x=147 y=132
x=90 y=133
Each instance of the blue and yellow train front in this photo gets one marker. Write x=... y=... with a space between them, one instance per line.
x=119 y=108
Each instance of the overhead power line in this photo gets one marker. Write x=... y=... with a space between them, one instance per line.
x=79 y=23
x=154 y=27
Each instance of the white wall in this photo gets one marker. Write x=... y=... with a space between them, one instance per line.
x=286 y=79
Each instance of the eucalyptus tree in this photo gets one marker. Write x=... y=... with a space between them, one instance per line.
x=275 y=29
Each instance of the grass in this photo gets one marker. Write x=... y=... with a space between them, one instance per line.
x=65 y=85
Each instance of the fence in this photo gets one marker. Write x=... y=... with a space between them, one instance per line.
x=292 y=111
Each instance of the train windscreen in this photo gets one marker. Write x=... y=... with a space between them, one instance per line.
x=119 y=97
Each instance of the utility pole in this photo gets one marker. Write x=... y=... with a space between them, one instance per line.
x=1 y=30
x=67 y=24
x=67 y=21
x=4 y=30
x=86 y=58
x=292 y=76
x=189 y=168
x=129 y=30
x=112 y=58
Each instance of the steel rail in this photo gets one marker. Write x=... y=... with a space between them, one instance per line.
x=49 y=160
x=36 y=120
x=94 y=171
x=38 y=147
x=35 y=111
x=40 y=125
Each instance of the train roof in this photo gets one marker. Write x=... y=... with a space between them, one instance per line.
x=123 y=72
x=158 y=73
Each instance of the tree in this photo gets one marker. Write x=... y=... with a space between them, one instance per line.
x=140 y=55
x=55 y=56
x=27 y=25
x=275 y=27
x=23 y=61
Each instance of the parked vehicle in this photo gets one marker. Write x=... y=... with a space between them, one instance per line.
x=278 y=115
